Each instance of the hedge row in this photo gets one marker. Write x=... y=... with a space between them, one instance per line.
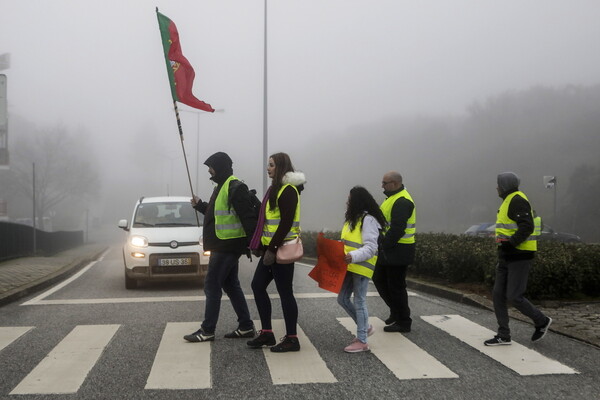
x=561 y=271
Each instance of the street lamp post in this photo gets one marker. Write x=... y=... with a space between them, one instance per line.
x=265 y=120
x=550 y=182
x=198 y=113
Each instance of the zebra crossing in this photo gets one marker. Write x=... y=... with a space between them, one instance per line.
x=67 y=366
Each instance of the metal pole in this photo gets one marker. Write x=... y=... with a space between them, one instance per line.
x=555 y=214
x=265 y=122
x=34 y=214
x=198 y=152
x=87 y=218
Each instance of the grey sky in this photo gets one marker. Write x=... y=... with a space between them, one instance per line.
x=333 y=65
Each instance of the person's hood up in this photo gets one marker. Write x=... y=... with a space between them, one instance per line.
x=222 y=164
x=295 y=178
x=508 y=182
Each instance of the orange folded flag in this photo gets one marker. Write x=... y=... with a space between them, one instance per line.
x=330 y=270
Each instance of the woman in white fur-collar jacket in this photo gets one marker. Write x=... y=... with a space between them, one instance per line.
x=282 y=200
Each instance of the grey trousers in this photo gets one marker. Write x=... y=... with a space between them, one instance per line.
x=511 y=283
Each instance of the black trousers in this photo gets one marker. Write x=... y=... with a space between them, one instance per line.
x=390 y=281
x=283 y=275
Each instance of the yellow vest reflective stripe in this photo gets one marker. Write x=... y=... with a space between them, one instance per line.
x=353 y=240
x=506 y=227
x=227 y=222
x=411 y=224
x=537 y=228
x=273 y=218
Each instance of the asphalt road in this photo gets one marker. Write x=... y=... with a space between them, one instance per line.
x=117 y=343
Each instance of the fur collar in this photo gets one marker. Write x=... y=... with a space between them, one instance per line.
x=295 y=178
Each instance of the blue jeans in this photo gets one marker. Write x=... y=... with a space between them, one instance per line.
x=222 y=276
x=357 y=284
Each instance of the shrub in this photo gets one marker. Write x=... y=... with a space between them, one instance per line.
x=560 y=270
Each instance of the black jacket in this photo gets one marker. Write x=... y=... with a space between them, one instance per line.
x=519 y=210
x=239 y=199
x=242 y=204
x=391 y=252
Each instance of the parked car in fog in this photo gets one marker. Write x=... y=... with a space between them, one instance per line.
x=163 y=242
x=481 y=229
x=548 y=233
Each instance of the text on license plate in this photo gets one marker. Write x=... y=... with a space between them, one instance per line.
x=174 y=261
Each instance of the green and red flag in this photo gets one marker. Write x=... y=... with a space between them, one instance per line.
x=181 y=73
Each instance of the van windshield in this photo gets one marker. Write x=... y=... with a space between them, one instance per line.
x=165 y=214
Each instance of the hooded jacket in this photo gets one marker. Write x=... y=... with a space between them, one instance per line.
x=240 y=201
x=519 y=210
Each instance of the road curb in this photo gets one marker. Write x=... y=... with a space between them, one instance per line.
x=52 y=278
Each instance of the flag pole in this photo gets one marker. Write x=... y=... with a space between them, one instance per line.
x=187 y=168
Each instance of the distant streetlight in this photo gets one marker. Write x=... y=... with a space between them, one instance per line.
x=265 y=120
x=550 y=182
x=198 y=113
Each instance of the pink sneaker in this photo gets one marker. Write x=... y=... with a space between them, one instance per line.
x=371 y=330
x=356 y=347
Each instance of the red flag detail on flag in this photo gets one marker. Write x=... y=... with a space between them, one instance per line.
x=331 y=268
x=181 y=73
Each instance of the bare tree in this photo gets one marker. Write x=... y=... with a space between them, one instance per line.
x=64 y=167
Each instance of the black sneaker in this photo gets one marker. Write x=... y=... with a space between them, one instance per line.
x=287 y=344
x=263 y=339
x=396 y=327
x=200 y=336
x=497 y=341
x=390 y=320
x=540 y=331
x=241 y=333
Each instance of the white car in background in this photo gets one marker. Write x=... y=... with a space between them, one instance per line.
x=163 y=241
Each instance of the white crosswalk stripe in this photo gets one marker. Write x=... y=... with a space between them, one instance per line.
x=401 y=356
x=304 y=366
x=65 y=368
x=10 y=334
x=517 y=357
x=175 y=366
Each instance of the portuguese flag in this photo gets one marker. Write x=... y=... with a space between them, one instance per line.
x=181 y=73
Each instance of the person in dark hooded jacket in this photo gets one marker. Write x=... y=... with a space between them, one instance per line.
x=516 y=250
x=229 y=222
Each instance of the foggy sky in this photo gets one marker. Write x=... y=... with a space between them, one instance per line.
x=332 y=66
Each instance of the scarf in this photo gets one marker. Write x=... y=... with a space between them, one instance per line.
x=255 y=242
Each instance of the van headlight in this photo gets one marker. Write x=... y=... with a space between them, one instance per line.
x=139 y=241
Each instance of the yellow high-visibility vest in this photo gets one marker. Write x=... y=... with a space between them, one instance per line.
x=273 y=218
x=352 y=241
x=506 y=227
x=227 y=222
x=411 y=224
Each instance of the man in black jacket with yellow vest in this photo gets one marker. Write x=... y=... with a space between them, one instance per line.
x=396 y=252
x=229 y=222
x=516 y=249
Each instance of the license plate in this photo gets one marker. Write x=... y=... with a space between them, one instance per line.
x=166 y=262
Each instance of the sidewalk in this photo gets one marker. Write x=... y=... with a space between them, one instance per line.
x=23 y=276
